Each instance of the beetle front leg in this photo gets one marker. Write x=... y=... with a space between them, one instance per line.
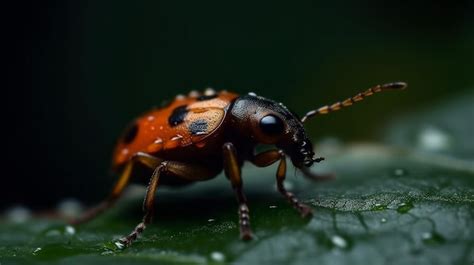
x=233 y=172
x=269 y=157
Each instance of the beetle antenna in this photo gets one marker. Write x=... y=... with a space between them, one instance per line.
x=349 y=101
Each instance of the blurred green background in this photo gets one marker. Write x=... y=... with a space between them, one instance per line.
x=86 y=68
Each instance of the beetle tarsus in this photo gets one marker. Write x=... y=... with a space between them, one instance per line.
x=246 y=235
x=305 y=210
x=244 y=222
x=126 y=241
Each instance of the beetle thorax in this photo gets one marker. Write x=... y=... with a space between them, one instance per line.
x=265 y=121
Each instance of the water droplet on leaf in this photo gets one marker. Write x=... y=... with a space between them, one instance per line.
x=379 y=207
x=289 y=185
x=36 y=251
x=399 y=172
x=70 y=208
x=119 y=245
x=432 y=238
x=339 y=241
x=69 y=230
x=53 y=233
x=217 y=256
x=18 y=214
x=404 y=207
x=433 y=139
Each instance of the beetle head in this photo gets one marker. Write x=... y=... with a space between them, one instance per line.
x=272 y=123
x=265 y=121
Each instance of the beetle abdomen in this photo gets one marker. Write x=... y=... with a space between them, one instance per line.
x=185 y=121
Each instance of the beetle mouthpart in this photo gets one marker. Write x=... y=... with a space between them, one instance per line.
x=317 y=160
x=308 y=162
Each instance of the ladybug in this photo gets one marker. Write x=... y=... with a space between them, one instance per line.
x=197 y=136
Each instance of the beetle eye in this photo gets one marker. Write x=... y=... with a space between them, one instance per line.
x=272 y=125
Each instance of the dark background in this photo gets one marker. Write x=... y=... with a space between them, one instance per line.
x=79 y=71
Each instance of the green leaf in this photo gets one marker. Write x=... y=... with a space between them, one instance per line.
x=445 y=129
x=387 y=205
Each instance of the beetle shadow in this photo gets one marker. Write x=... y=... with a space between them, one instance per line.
x=201 y=201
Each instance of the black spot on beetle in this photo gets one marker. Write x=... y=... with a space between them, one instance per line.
x=130 y=133
x=178 y=115
x=198 y=126
x=206 y=97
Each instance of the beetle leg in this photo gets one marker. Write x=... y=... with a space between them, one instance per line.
x=145 y=159
x=147 y=207
x=269 y=157
x=233 y=172
x=179 y=169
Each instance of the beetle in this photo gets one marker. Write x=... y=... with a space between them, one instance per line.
x=197 y=136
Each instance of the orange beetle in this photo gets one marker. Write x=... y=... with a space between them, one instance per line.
x=195 y=137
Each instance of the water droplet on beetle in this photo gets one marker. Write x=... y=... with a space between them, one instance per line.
x=210 y=220
x=156 y=146
x=193 y=94
x=209 y=92
x=272 y=206
x=176 y=137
